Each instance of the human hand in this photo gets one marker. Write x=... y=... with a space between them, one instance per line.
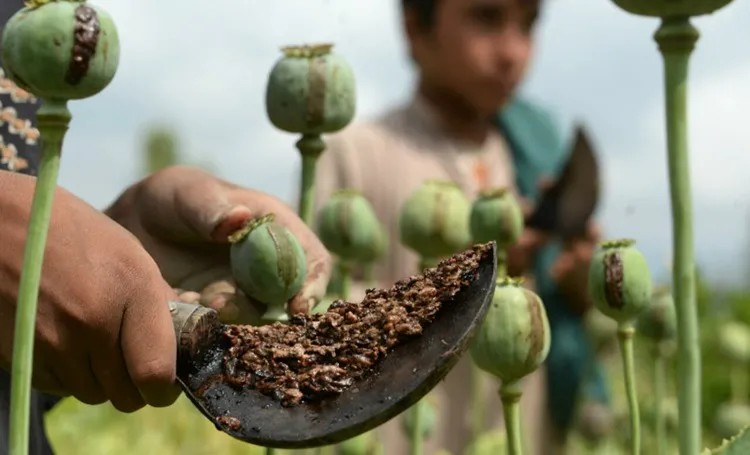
x=103 y=328
x=183 y=216
x=571 y=269
x=520 y=256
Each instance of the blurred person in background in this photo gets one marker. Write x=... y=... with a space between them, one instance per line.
x=466 y=124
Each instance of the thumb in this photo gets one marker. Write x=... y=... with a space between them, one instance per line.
x=187 y=204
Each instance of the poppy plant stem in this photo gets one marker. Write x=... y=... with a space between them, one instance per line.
x=676 y=38
x=53 y=119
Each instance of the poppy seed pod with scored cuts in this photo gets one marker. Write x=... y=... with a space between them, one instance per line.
x=620 y=280
x=63 y=50
x=268 y=264
x=311 y=90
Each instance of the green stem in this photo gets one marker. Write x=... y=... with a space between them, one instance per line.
x=416 y=439
x=510 y=395
x=625 y=336
x=738 y=378
x=502 y=264
x=310 y=147
x=417 y=430
x=676 y=38
x=660 y=395
x=53 y=119
x=345 y=275
x=270 y=451
x=477 y=402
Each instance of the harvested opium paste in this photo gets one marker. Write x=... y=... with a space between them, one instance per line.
x=317 y=356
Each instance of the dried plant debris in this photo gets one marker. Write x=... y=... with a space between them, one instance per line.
x=318 y=356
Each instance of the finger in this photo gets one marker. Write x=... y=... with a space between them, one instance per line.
x=219 y=286
x=545 y=182
x=78 y=377
x=562 y=266
x=46 y=381
x=189 y=297
x=183 y=203
x=527 y=207
x=232 y=305
x=237 y=308
x=314 y=288
x=113 y=375
x=595 y=232
x=149 y=346
x=229 y=222
x=531 y=239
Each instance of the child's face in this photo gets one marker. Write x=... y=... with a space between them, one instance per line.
x=477 y=49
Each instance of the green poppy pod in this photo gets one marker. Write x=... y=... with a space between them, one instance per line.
x=348 y=226
x=311 y=90
x=671 y=8
x=730 y=418
x=493 y=442
x=659 y=321
x=514 y=338
x=379 y=248
x=429 y=418
x=324 y=304
x=734 y=342
x=64 y=50
x=602 y=330
x=620 y=280
x=434 y=220
x=496 y=215
x=358 y=445
x=268 y=264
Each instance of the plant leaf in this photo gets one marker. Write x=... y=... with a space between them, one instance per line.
x=737 y=445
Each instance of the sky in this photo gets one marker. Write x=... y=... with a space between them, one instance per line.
x=202 y=67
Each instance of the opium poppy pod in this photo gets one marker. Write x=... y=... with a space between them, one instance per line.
x=734 y=342
x=671 y=8
x=429 y=417
x=730 y=418
x=496 y=215
x=348 y=226
x=434 y=220
x=659 y=321
x=311 y=90
x=268 y=264
x=62 y=50
x=620 y=280
x=514 y=339
x=379 y=248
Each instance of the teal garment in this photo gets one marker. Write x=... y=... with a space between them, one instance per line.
x=572 y=370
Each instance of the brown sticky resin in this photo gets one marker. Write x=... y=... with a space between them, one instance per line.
x=85 y=39
x=314 y=357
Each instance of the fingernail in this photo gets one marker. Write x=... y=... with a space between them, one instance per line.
x=230 y=221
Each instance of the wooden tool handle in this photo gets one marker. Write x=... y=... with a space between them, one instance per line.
x=195 y=327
